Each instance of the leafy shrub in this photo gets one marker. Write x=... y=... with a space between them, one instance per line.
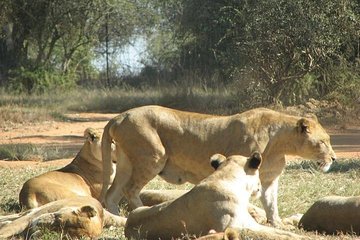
x=39 y=80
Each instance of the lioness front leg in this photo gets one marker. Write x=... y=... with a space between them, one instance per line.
x=270 y=181
x=269 y=201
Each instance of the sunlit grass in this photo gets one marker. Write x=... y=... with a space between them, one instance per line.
x=300 y=186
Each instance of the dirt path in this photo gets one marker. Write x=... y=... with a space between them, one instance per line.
x=68 y=135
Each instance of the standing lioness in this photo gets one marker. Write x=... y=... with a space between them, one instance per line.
x=176 y=145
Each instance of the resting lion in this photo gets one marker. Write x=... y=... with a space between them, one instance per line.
x=82 y=177
x=333 y=214
x=78 y=216
x=216 y=203
x=175 y=145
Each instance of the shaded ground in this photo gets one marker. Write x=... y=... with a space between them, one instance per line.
x=346 y=143
x=67 y=136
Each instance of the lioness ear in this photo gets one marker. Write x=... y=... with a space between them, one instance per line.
x=87 y=211
x=216 y=160
x=231 y=234
x=255 y=160
x=303 y=126
x=312 y=116
x=90 y=134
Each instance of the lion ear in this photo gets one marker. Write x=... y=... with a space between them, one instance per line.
x=216 y=160
x=231 y=234
x=87 y=211
x=90 y=134
x=255 y=160
x=312 y=116
x=303 y=126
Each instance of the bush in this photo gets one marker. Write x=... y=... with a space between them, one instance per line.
x=39 y=80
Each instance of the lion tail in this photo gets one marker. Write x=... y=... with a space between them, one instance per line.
x=16 y=224
x=106 y=160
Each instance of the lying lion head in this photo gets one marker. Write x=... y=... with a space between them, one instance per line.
x=250 y=168
x=81 y=221
x=315 y=143
x=77 y=216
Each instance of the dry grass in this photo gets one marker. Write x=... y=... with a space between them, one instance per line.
x=27 y=151
x=300 y=186
x=17 y=109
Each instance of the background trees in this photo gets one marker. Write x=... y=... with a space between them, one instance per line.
x=47 y=43
x=283 y=50
x=272 y=51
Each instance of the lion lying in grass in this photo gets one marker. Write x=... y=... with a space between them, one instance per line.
x=176 y=145
x=82 y=177
x=332 y=215
x=78 y=216
x=216 y=203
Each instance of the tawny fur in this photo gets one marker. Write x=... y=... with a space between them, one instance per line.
x=81 y=177
x=78 y=217
x=332 y=215
x=218 y=202
x=176 y=145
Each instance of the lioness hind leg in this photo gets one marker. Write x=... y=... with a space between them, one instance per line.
x=141 y=175
x=122 y=176
x=133 y=172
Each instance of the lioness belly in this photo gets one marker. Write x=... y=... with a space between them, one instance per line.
x=175 y=174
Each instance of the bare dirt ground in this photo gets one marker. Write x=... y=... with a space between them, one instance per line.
x=67 y=135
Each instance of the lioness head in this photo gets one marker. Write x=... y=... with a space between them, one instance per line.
x=76 y=221
x=93 y=142
x=249 y=165
x=315 y=143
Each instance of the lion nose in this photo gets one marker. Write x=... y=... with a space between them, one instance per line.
x=333 y=159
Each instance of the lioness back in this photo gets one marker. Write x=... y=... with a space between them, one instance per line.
x=81 y=177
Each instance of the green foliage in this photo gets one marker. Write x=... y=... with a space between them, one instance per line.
x=342 y=83
x=39 y=80
x=51 y=41
x=279 y=51
x=282 y=48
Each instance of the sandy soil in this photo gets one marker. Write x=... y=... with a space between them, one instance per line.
x=68 y=135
